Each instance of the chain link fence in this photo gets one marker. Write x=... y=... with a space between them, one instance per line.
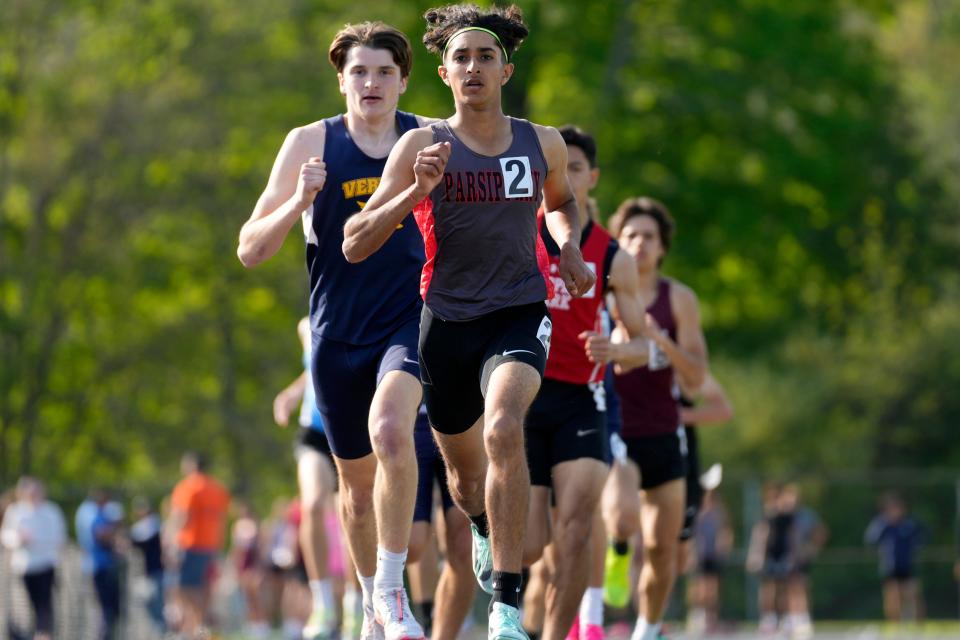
x=76 y=611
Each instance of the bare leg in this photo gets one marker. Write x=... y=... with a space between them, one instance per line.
x=466 y=463
x=316 y=481
x=421 y=538
x=356 y=511
x=535 y=596
x=578 y=484
x=798 y=602
x=192 y=604
x=510 y=392
x=598 y=547
x=621 y=503
x=423 y=568
x=661 y=520
x=799 y=605
x=538 y=525
x=392 y=415
x=768 y=604
x=637 y=561
x=911 y=608
x=710 y=598
x=891 y=600
x=457 y=585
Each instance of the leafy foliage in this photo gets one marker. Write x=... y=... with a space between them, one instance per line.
x=803 y=147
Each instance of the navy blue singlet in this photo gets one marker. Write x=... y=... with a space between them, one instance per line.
x=361 y=303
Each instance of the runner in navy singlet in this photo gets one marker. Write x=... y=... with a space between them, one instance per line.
x=477 y=181
x=648 y=396
x=364 y=318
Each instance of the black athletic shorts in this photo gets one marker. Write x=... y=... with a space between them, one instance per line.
x=564 y=423
x=345 y=378
x=777 y=568
x=899 y=574
x=430 y=471
x=660 y=458
x=310 y=439
x=709 y=566
x=458 y=358
x=694 y=490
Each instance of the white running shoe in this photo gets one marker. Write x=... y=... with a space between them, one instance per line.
x=371 y=630
x=392 y=611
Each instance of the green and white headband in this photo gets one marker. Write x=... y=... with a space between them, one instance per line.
x=506 y=58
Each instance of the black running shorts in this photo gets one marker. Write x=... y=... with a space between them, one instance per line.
x=309 y=438
x=458 y=358
x=660 y=458
x=564 y=423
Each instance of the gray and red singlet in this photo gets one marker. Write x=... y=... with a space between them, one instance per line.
x=483 y=249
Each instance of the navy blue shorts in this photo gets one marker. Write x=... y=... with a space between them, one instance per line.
x=694 y=490
x=614 y=421
x=196 y=568
x=345 y=378
x=431 y=470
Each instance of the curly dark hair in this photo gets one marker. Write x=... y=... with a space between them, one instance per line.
x=443 y=22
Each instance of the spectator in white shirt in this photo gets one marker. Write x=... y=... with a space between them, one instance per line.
x=33 y=530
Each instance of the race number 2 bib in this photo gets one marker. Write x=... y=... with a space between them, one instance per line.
x=517 y=177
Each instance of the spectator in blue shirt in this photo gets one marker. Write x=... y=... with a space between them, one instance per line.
x=898 y=537
x=106 y=565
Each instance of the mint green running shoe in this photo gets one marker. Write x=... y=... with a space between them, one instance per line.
x=482 y=560
x=505 y=623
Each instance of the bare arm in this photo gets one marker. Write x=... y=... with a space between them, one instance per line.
x=713 y=406
x=9 y=535
x=688 y=355
x=629 y=348
x=412 y=171
x=298 y=175
x=175 y=522
x=561 y=215
x=287 y=400
x=758 y=543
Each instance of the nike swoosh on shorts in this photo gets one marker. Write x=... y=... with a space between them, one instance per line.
x=510 y=353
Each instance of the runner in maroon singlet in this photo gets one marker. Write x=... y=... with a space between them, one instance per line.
x=649 y=400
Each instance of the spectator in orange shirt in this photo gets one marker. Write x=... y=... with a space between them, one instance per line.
x=198 y=515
